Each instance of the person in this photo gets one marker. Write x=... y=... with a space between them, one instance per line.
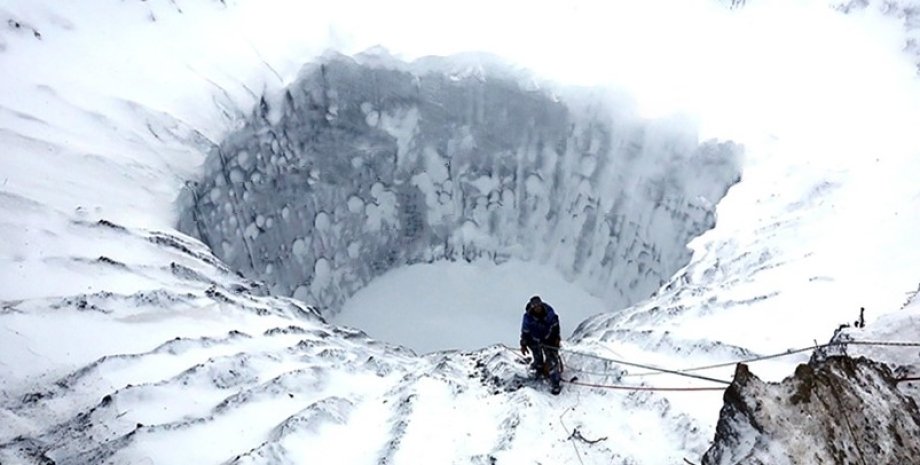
x=540 y=336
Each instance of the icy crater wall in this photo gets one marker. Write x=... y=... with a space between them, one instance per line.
x=359 y=168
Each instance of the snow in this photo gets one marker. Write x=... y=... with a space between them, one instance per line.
x=114 y=107
x=462 y=306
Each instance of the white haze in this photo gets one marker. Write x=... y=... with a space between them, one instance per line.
x=783 y=67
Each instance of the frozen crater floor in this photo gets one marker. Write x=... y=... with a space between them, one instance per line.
x=459 y=305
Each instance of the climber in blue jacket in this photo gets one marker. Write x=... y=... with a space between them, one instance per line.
x=540 y=335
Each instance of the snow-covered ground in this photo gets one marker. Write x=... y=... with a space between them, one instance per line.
x=125 y=341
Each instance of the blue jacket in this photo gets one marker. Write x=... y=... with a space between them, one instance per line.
x=540 y=330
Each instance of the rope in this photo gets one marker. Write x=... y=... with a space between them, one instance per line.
x=784 y=354
x=874 y=343
x=752 y=359
x=647 y=367
x=513 y=350
x=618 y=387
x=566 y=429
x=607 y=374
x=643 y=388
x=686 y=372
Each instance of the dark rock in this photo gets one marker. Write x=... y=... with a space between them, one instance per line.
x=837 y=410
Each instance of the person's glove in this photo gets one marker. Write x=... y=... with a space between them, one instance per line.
x=554 y=343
x=524 y=348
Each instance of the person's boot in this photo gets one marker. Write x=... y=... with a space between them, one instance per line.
x=556 y=380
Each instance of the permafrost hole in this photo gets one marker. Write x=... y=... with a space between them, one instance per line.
x=385 y=193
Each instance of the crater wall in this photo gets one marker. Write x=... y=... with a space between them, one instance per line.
x=366 y=165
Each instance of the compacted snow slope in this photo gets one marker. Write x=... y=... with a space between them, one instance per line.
x=123 y=340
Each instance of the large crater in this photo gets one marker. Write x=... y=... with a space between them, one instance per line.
x=366 y=164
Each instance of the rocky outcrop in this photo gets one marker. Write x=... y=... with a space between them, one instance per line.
x=836 y=411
